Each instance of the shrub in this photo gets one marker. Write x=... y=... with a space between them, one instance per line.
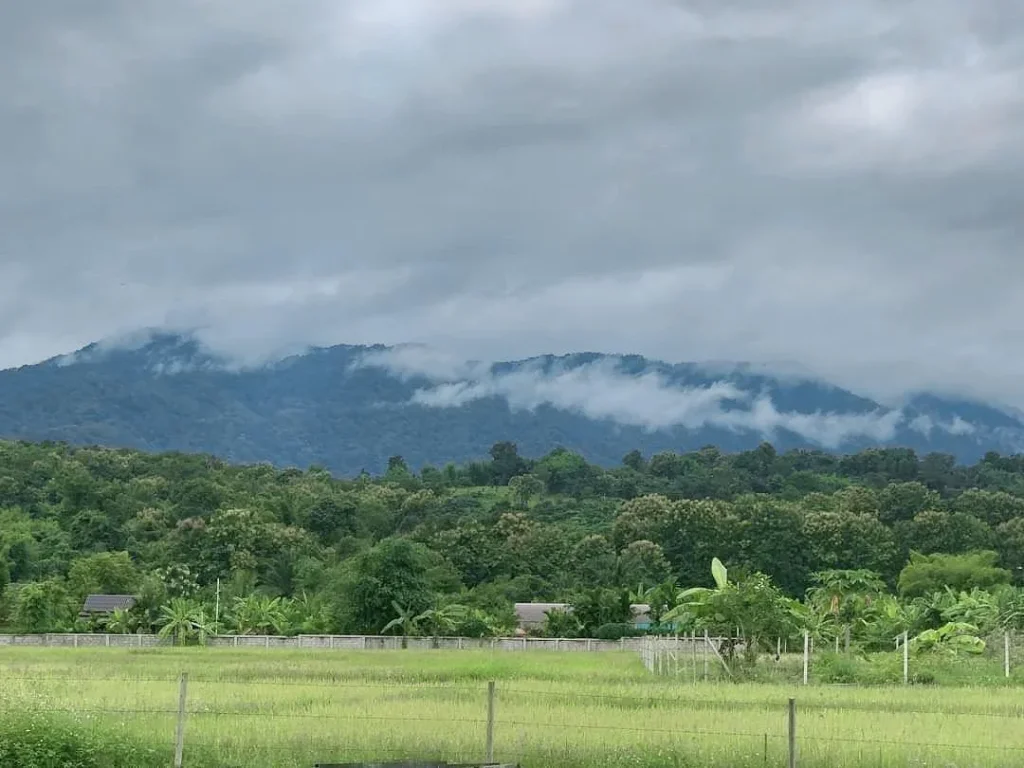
x=615 y=631
x=33 y=741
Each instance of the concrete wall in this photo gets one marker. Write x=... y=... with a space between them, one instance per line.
x=328 y=642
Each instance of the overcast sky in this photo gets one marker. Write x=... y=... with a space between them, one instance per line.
x=838 y=185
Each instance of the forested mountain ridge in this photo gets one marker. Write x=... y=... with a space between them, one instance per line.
x=79 y=520
x=349 y=408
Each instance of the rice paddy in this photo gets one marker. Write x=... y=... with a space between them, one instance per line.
x=298 y=708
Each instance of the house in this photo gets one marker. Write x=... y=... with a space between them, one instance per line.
x=531 y=616
x=641 y=615
x=101 y=606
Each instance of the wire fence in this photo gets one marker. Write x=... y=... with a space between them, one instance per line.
x=700 y=657
x=305 y=722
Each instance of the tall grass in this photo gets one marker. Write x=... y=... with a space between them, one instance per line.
x=283 y=708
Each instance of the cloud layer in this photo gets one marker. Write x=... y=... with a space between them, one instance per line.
x=603 y=390
x=832 y=184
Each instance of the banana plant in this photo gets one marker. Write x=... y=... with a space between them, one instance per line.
x=953 y=638
x=754 y=605
x=688 y=602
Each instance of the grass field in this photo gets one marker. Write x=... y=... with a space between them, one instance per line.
x=284 y=708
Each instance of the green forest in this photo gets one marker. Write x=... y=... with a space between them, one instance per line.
x=865 y=545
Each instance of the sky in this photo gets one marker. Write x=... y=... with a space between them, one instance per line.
x=836 y=187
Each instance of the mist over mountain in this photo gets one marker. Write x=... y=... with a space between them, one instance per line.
x=349 y=408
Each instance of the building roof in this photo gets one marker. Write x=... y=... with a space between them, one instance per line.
x=536 y=613
x=108 y=603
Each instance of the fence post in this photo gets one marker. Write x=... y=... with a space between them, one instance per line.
x=1006 y=654
x=693 y=654
x=707 y=644
x=906 y=657
x=792 y=733
x=490 y=722
x=807 y=653
x=179 y=736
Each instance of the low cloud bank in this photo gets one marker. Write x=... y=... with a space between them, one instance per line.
x=601 y=390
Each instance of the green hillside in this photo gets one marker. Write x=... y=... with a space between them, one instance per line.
x=452 y=548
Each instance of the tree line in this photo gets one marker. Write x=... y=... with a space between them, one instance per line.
x=449 y=550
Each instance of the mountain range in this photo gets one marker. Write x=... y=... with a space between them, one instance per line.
x=350 y=408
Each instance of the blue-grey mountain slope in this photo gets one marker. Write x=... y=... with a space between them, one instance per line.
x=350 y=408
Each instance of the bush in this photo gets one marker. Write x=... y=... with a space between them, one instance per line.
x=837 y=669
x=847 y=669
x=33 y=741
x=615 y=631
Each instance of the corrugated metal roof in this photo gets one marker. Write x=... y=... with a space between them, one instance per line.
x=535 y=613
x=108 y=603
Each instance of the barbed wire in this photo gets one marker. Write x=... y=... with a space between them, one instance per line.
x=476 y=689
x=533 y=724
x=692 y=704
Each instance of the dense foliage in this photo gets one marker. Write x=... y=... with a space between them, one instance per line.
x=447 y=551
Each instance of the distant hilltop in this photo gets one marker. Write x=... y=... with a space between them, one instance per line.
x=350 y=408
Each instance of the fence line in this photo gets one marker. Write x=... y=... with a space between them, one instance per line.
x=334 y=642
x=484 y=727
x=678 y=656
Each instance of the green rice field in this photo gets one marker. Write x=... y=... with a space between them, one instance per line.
x=118 y=707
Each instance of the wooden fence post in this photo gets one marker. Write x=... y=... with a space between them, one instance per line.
x=179 y=736
x=490 y=722
x=792 y=733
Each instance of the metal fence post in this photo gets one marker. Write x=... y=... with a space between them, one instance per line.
x=707 y=645
x=179 y=736
x=490 y=722
x=1006 y=654
x=906 y=657
x=807 y=653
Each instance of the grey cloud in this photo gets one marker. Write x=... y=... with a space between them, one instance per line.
x=955 y=426
x=834 y=184
x=601 y=391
